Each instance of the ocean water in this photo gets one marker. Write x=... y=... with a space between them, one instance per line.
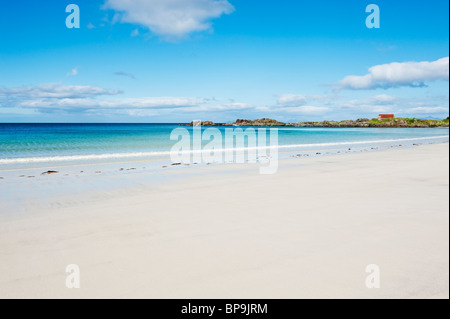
x=32 y=144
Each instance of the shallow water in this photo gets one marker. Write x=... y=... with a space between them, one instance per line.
x=22 y=145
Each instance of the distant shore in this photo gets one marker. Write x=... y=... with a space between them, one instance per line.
x=393 y=123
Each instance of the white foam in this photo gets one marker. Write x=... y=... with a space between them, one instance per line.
x=69 y=158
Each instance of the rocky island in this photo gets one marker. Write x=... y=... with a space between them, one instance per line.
x=395 y=122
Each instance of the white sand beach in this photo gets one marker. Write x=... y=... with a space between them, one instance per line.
x=308 y=231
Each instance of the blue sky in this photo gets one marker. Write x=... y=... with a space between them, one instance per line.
x=183 y=60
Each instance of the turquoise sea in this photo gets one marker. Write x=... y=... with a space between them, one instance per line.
x=26 y=144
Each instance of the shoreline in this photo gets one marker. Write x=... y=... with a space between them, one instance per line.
x=160 y=154
x=36 y=187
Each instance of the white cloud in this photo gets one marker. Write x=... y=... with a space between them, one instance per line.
x=307 y=110
x=90 y=25
x=383 y=98
x=377 y=103
x=60 y=98
x=236 y=106
x=73 y=72
x=293 y=100
x=170 y=18
x=428 y=110
x=298 y=103
x=56 y=90
x=127 y=103
x=414 y=74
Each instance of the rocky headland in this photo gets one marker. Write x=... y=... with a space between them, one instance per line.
x=398 y=122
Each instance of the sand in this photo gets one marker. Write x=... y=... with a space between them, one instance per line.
x=308 y=231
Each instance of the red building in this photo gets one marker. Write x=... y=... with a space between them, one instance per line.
x=386 y=116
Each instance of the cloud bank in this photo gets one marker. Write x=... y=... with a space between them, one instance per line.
x=69 y=98
x=293 y=100
x=428 y=110
x=127 y=103
x=413 y=74
x=56 y=90
x=299 y=104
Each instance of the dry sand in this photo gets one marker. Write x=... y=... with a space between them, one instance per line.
x=228 y=232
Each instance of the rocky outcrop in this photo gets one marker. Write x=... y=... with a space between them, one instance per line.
x=198 y=123
x=241 y=122
x=259 y=122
